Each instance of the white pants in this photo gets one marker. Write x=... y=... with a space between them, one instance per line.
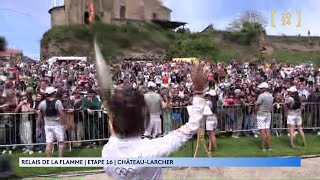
x=25 y=130
x=154 y=127
x=54 y=132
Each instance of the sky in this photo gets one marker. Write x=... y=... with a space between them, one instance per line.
x=23 y=22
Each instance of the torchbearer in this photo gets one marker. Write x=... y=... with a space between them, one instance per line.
x=129 y=118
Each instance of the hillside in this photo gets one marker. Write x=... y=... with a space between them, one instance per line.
x=148 y=41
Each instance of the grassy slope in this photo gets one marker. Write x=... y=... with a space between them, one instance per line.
x=114 y=40
x=228 y=147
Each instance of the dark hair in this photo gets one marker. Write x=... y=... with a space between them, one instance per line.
x=129 y=112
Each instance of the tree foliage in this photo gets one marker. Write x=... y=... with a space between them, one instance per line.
x=247 y=27
x=3 y=43
x=251 y=17
x=192 y=45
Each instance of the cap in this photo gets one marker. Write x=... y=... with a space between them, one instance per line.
x=292 y=89
x=51 y=90
x=263 y=85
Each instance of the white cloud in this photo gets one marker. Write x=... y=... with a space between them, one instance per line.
x=310 y=10
x=204 y=12
x=198 y=14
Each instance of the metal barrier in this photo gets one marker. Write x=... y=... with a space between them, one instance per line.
x=87 y=127
x=92 y=128
x=242 y=118
x=19 y=129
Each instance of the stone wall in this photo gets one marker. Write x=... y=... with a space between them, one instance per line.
x=155 y=7
x=58 y=16
x=73 y=11
x=135 y=9
x=163 y=13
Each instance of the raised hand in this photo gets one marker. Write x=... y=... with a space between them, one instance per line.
x=199 y=79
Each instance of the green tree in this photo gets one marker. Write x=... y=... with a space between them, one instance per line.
x=251 y=17
x=246 y=28
x=3 y=43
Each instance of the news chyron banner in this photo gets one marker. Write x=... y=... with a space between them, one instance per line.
x=160 y=162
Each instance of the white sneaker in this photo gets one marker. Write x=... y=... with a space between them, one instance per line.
x=10 y=152
x=4 y=152
x=318 y=133
x=256 y=136
x=30 y=152
x=25 y=151
x=40 y=152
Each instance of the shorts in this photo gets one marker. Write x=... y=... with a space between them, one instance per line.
x=211 y=123
x=54 y=133
x=294 y=120
x=264 y=121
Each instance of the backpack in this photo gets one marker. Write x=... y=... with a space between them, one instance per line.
x=51 y=110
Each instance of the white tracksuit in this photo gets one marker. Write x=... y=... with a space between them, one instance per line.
x=144 y=148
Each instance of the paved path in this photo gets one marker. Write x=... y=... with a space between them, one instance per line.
x=310 y=170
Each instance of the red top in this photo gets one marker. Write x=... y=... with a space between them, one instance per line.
x=231 y=101
x=165 y=80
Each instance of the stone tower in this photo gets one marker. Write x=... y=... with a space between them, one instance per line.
x=74 y=11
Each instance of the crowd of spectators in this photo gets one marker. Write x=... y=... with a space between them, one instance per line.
x=233 y=86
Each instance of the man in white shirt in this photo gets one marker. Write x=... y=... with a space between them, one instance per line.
x=264 y=106
x=154 y=102
x=130 y=118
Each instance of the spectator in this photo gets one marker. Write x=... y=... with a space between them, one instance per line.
x=176 y=109
x=278 y=113
x=24 y=107
x=154 y=103
x=40 y=133
x=249 y=123
x=78 y=117
x=91 y=105
x=314 y=107
x=166 y=113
